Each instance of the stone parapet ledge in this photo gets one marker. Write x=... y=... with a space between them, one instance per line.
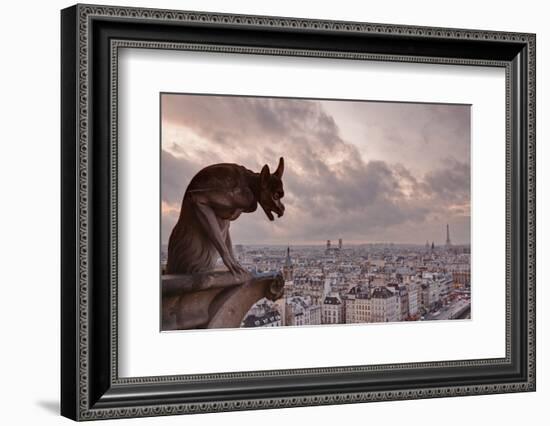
x=216 y=299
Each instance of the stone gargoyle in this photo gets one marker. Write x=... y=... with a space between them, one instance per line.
x=217 y=195
x=194 y=294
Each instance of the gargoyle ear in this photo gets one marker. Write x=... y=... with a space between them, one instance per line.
x=280 y=168
x=264 y=176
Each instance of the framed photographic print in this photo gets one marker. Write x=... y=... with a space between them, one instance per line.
x=263 y=212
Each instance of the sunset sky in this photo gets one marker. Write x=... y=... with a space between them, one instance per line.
x=361 y=171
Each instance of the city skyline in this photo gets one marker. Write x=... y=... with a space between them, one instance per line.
x=367 y=172
x=340 y=241
x=336 y=284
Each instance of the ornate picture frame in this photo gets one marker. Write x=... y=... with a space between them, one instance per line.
x=91 y=37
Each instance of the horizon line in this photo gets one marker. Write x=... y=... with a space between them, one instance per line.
x=347 y=244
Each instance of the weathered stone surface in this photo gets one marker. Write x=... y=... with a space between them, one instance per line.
x=216 y=299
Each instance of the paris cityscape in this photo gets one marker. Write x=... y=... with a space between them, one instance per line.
x=335 y=283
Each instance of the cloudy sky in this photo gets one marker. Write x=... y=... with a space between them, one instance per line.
x=361 y=171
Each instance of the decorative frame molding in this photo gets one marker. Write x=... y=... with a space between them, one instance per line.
x=91 y=388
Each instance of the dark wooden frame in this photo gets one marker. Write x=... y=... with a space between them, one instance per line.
x=90 y=386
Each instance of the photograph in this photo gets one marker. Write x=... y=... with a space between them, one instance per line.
x=310 y=212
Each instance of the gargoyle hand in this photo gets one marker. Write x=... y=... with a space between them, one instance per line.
x=234 y=267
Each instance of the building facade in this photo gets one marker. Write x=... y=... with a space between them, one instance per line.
x=332 y=310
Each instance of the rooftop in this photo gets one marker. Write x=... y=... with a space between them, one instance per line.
x=332 y=300
x=381 y=293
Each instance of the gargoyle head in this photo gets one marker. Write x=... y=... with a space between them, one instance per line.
x=271 y=190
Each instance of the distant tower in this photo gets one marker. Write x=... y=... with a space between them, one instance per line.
x=433 y=246
x=328 y=244
x=448 y=240
x=288 y=268
x=288 y=274
x=340 y=243
x=327 y=287
x=427 y=245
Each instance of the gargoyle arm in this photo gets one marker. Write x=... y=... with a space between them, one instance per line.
x=209 y=221
x=229 y=245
